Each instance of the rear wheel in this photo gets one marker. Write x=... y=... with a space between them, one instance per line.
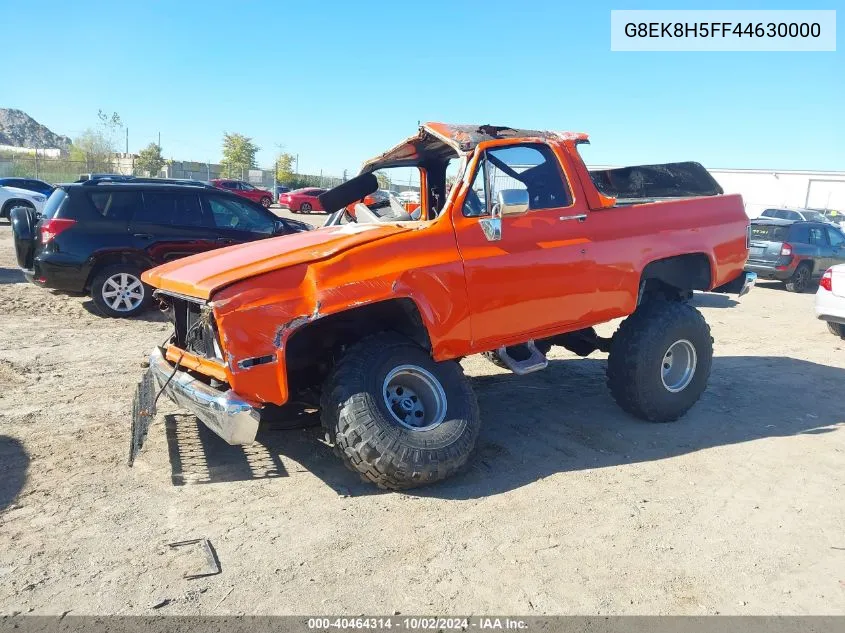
x=119 y=292
x=305 y=207
x=11 y=204
x=800 y=280
x=266 y=202
x=660 y=361
x=396 y=416
x=837 y=329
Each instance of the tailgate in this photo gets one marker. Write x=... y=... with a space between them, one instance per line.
x=765 y=242
x=25 y=233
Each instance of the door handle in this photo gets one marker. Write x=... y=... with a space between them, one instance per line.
x=143 y=236
x=581 y=217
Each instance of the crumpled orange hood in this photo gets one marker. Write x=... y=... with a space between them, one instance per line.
x=200 y=275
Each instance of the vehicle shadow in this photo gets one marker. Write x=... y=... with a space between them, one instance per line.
x=198 y=456
x=712 y=300
x=779 y=285
x=558 y=420
x=11 y=276
x=153 y=315
x=14 y=462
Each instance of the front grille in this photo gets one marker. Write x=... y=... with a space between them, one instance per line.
x=196 y=331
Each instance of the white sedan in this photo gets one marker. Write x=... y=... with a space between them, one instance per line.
x=11 y=197
x=830 y=299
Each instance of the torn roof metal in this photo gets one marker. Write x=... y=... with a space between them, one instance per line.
x=444 y=140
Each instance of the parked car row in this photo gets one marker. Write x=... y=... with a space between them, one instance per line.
x=98 y=236
x=794 y=252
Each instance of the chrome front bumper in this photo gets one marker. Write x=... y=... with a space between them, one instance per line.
x=224 y=412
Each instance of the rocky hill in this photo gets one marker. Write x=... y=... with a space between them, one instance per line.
x=21 y=130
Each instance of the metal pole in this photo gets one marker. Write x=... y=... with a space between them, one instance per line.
x=36 y=162
x=127 y=140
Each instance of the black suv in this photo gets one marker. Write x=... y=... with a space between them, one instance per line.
x=98 y=236
x=793 y=252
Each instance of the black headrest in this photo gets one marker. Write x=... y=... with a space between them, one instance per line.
x=348 y=192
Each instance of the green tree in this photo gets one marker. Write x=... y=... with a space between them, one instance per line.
x=284 y=169
x=238 y=155
x=95 y=145
x=383 y=180
x=150 y=160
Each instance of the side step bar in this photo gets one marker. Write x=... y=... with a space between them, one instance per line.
x=535 y=361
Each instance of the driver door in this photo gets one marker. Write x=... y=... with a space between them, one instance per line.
x=531 y=282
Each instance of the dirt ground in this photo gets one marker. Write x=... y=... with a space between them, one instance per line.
x=570 y=506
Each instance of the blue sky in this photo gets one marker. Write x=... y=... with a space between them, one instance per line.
x=339 y=82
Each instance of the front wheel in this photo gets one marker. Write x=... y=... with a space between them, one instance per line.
x=660 y=361
x=266 y=202
x=396 y=416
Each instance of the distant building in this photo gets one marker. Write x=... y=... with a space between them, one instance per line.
x=766 y=188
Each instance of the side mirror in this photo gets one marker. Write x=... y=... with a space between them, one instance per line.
x=513 y=201
x=508 y=202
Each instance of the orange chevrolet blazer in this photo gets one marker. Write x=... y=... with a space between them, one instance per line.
x=368 y=316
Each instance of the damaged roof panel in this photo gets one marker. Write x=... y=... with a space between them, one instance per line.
x=442 y=140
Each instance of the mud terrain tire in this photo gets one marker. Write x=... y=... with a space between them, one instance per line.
x=367 y=433
x=644 y=378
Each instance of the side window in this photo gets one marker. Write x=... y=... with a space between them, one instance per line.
x=228 y=184
x=836 y=238
x=116 y=205
x=171 y=209
x=799 y=233
x=768 y=213
x=817 y=237
x=794 y=215
x=240 y=216
x=533 y=168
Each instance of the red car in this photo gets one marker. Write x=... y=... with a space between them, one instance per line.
x=302 y=200
x=246 y=190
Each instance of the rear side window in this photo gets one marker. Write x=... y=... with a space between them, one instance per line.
x=171 y=209
x=115 y=205
x=769 y=232
x=800 y=233
x=53 y=203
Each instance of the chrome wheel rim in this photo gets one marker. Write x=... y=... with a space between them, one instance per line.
x=266 y=202
x=414 y=397
x=123 y=292
x=305 y=208
x=678 y=366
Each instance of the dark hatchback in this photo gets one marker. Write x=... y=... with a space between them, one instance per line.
x=98 y=236
x=795 y=253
